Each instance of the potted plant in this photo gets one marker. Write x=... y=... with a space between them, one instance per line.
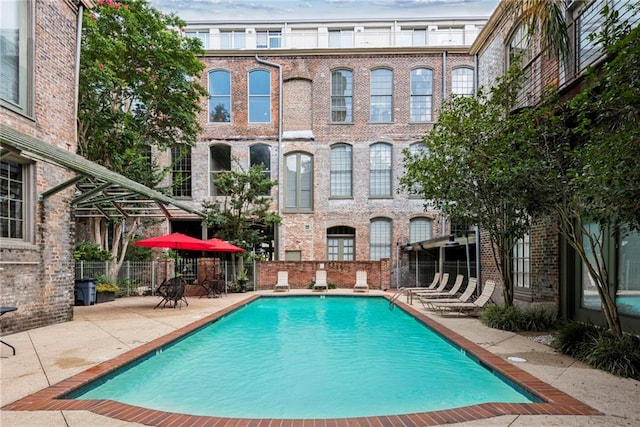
x=242 y=278
x=106 y=292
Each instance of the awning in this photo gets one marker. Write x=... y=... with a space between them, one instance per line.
x=99 y=191
x=459 y=239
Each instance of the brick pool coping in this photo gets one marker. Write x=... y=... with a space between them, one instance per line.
x=555 y=402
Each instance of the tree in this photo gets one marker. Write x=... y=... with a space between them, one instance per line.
x=138 y=95
x=477 y=168
x=242 y=216
x=593 y=159
x=545 y=19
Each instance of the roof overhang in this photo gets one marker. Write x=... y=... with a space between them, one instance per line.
x=460 y=239
x=100 y=192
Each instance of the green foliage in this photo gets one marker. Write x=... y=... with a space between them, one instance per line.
x=600 y=348
x=138 y=87
x=242 y=216
x=478 y=167
x=107 y=287
x=138 y=253
x=515 y=318
x=87 y=251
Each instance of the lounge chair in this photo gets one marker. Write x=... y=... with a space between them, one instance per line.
x=283 y=282
x=451 y=293
x=361 y=282
x=468 y=308
x=321 y=281
x=428 y=302
x=441 y=288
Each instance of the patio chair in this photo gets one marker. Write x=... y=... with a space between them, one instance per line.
x=443 y=284
x=428 y=302
x=468 y=308
x=451 y=293
x=361 y=282
x=321 y=281
x=172 y=292
x=283 y=282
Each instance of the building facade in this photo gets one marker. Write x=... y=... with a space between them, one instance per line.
x=328 y=108
x=545 y=268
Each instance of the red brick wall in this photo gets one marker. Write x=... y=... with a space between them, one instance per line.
x=38 y=277
x=342 y=273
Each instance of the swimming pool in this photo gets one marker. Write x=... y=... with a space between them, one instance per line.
x=308 y=357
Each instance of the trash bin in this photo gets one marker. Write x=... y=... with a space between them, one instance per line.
x=85 y=291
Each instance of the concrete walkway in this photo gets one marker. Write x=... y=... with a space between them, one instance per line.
x=98 y=333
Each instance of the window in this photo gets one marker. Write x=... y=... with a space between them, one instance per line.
x=341 y=171
x=341 y=38
x=16 y=201
x=381 y=95
x=268 y=39
x=380 y=170
x=220 y=162
x=220 y=96
x=232 y=40
x=420 y=230
x=417 y=148
x=522 y=263
x=16 y=57
x=379 y=239
x=342 y=96
x=299 y=182
x=413 y=37
x=520 y=46
x=421 y=94
x=181 y=170
x=462 y=82
x=628 y=274
x=202 y=35
x=260 y=154
x=341 y=243
x=259 y=96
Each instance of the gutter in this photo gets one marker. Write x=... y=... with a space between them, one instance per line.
x=278 y=208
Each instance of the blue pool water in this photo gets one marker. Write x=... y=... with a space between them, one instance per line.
x=308 y=357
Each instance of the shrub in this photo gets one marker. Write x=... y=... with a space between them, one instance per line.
x=539 y=318
x=87 y=251
x=599 y=348
x=107 y=287
x=500 y=316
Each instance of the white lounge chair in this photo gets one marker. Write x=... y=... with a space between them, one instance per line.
x=428 y=302
x=321 y=281
x=361 y=282
x=451 y=293
x=469 y=308
x=443 y=284
x=283 y=282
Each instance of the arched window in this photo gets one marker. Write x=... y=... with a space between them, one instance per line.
x=298 y=181
x=260 y=154
x=259 y=96
x=381 y=98
x=220 y=162
x=462 y=82
x=219 y=96
x=421 y=94
x=380 y=170
x=379 y=239
x=341 y=181
x=342 y=96
x=420 y=229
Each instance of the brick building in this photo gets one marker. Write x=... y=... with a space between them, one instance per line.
x=328 y=107
x=41 y=177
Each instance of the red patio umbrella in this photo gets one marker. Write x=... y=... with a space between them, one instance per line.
x=222 y=246
x=177 y=241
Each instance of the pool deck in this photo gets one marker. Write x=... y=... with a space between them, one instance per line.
x=106 y=335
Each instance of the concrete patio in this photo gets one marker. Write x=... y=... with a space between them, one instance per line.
x=101 y=332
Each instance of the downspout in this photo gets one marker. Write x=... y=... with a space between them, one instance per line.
x=476 y=75
x=278 y=209
x=443 y=219
x=77 y=69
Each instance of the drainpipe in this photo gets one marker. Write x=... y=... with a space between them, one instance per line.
x=77 y=68
x=278 y=209
x=476 y=75
x=443 y=219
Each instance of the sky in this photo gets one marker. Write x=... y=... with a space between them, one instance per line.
x=237 y=10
